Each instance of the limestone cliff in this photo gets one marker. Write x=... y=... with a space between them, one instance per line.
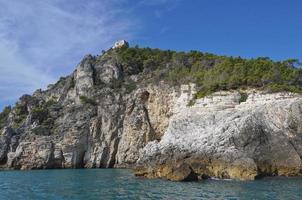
x=114 y=113
x=99 y=116
x=222 y=137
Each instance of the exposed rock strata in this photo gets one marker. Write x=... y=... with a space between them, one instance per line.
x=221 y=138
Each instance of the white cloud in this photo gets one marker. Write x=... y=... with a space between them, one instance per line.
x=41 y=39
x=17 y=76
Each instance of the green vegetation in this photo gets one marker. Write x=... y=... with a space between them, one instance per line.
x=274 y=87
x=115 y=83
x=211 y=72
x=67 y=82
x=61 y=82
x=130 y=86
x=50 y=102
x=87 y=100
x=191 y=103
x=20 y=114
x=135 y=60
x=4 y=116
x=243 y=97
x=39 y=114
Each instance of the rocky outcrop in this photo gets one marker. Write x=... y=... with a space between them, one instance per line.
x=109 y=113
x=84 y=134
x=137 y=130
x=221 y=137
x=84 y=75
x=7 y=143
x=87 y=119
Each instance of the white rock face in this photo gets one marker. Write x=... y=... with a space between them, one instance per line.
x=186 y=94
x=84 y=75
x=218 y=101
x=221 y=137
x=107 y=72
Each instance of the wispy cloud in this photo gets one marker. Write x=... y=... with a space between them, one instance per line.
x=40 y=40
x=160 y=6
x=157 y=2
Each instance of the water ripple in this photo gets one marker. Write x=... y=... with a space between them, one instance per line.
x=121 y=184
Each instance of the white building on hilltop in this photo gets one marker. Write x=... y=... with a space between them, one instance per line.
x=120 y=43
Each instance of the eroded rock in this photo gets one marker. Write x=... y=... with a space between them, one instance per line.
x=241 y=141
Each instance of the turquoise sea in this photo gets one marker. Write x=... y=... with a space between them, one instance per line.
x=90 y=184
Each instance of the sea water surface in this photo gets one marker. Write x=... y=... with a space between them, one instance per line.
x=90 y=184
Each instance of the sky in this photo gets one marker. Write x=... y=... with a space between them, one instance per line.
x=41 y=41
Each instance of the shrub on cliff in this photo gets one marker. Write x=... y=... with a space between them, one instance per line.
x=20 y=114
x=243 y=97
x=130 y=86
x=87 y=100
x=39 y=114
x=4 y=116
x=273 y=87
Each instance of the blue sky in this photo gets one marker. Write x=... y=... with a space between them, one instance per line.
x=43 y=40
